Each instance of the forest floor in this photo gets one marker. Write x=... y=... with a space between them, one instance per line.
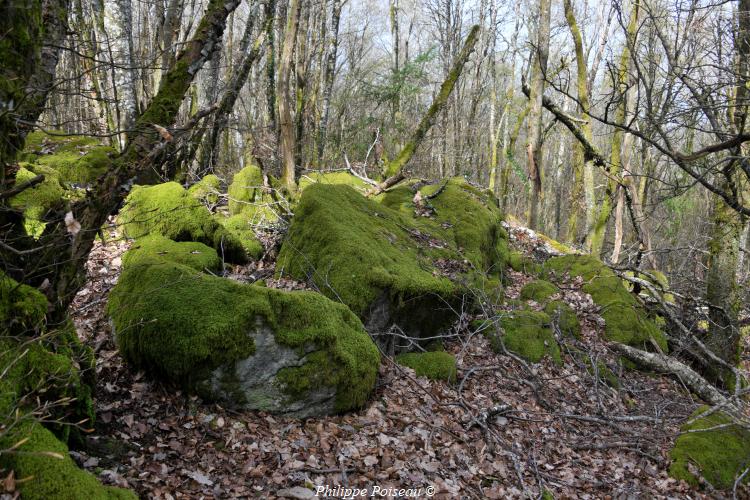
x=504 y=429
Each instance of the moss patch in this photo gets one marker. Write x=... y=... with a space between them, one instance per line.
x=626 y=319
x=521 y=263
x=720 y=454
x=167 y=209
x=35 y=202
x=45 y=470
x=437 y=365
x=155 y=248
x=246 y=188
x=565 y=317
x=333 y=178
x=22 y=308
x=207 y=190
x=181 y=325
x=526 y=333
x=538 y=291
x=240 y=228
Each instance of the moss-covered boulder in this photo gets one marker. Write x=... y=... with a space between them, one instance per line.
x=168 y=210
x=155 y=248
x=720 y=453
x=538 y=291
x=207 y=190
x=77 y=159
x=36 y=201
x=22 y=308
x=295 y=353
x=522 y=263
x=564 y=316
x=245 y=189
x=43 y=469
x=339 y=177
x=241 y=228
x=390 y=266
x=526 y=333
x=437 y=365
x=626 y=320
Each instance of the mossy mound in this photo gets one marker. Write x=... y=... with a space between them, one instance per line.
x=44 y=470
x=241 y=229
x=77 y=159
x=22 y=308
x=538 y=291
x=436 y=365
x=389 y=265
x=719 y=454
x=526 y=333
x=154 y=249
x=339 y=177
x=251 y=347
x=626 y=321
x=246 y=188
x=521 y=263
x=371 y=258
x=207 y=190
x=167 y=209
x=36 y=201
x=565 y=316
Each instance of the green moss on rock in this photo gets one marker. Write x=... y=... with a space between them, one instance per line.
x=35 y=202
x=77 y=159
x=22 y=307
x=240 y=228
x=167 y=209
x=184 y=325
x=44 y=470
x=626 y=320
x=526 y=333
x=207 y=190
x=340 y=177
x=521 y=263
x=155 y=248
x=246 y=188
x=720 y=454
x=565 y=317
x=538 y=291
x=437 y=365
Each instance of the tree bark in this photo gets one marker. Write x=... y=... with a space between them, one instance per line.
x=286 y=124
x=535 y=139
x=330 y=72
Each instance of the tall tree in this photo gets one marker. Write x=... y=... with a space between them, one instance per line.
x=285 y=102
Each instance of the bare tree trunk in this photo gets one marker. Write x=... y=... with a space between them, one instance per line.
x=330 y=73
x=286 y=124
x=534 y=140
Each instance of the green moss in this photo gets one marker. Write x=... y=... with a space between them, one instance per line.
x=538 y=291
x=720 y=455
x=436 y=365
x=155 y=248
x=626 y=320
x=44 y=470
x=35 y=202
x=207 y=190
x=526 y=333
x=333 y=178
x=181 y=325
x=240 y=228
x=22 y=308
x=565 y=316
x=77 y=159
x=246 y=188
x=167 y=209
x=520 y=263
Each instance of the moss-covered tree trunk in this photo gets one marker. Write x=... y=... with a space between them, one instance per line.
x=394 y=168
x=287 y=145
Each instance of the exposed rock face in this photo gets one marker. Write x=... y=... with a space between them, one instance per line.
x=406 y=262
x=250 y=347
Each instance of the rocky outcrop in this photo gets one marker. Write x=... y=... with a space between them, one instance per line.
x=249 y=347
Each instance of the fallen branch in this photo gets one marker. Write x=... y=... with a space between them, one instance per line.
x=664 y=364
x=22 y=187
